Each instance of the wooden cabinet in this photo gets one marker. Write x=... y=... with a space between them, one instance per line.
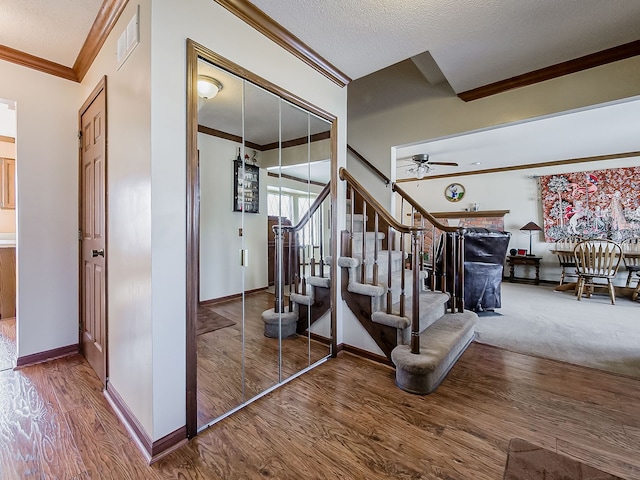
x=7 y=282
x=8 y=183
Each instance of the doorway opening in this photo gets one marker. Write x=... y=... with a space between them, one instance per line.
x=8 y=131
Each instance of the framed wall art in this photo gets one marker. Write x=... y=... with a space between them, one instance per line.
x=454 y=192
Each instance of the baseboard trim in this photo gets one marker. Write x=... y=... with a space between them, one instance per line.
x=374 y=357
x=152 y=451
x=235 y=296
x=41 y=357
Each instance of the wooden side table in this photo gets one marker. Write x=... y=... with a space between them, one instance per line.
x=514 y=260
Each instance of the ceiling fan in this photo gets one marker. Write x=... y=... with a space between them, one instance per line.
x=421 y=165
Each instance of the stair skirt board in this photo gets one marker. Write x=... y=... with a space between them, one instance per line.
x=439 y=350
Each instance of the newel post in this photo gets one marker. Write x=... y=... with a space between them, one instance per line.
x=278 y=304
x=415 y=316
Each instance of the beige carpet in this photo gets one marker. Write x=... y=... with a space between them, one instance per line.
x=537 y=321
x=530 y=462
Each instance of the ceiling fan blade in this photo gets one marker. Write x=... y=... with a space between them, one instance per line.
x=448 y=164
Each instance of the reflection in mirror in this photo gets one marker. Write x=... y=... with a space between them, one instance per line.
x=219 y=322
x=260 y=204
x=320 y=174
x=262 y=352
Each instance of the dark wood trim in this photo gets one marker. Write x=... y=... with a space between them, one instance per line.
x=193 y=240
x=152 y=451
x=47 y=355
x=31 y=61
x=585 y=62
x=167 y=444
x=334 y=239
x=316 y=137
x=320 y=338
x=554 y=163
x=463 y=214
x=368 y=164
x=264 y=24
x=108 y=15
x=226 y=64
x=228 y=136
x=131 y=423
x=374 y=357
x=269 y=146
x=235 y=296
x=295 y=179
x=7 y=139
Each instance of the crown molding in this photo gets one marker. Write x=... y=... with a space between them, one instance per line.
x=592 y=60
x=257 y=19
x=553 y=163
x=31 y=61
x=106 y=19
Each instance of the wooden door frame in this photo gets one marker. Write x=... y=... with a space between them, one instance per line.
x=100 y=87
x=194 y=51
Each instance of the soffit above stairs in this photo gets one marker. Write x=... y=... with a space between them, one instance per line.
x=474 y=42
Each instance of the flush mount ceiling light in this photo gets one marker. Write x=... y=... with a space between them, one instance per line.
x=208 y=87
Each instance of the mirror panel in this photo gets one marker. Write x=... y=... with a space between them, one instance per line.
x=261 y=163
x=261 y=351
x=319 y=176
x=219 y=323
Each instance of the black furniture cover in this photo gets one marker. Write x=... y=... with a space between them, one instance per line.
x=485 y=252
x=484 y=255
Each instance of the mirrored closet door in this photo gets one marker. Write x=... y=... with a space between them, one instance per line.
x=260 y=168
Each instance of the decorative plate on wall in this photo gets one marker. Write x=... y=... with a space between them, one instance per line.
x=454 y=192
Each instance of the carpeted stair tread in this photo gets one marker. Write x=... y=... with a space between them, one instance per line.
x=391 y=320
x=301 y=299
x=374 y=291
x=324 y=282
x=440 y=346
x=432 y=307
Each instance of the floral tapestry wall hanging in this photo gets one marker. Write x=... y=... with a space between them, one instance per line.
x=595 y=204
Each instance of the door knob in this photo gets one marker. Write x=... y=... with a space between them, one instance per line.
x=95 y=253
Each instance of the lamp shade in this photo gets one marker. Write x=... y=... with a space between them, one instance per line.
x=530 y=227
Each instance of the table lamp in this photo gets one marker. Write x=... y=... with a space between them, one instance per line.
x=530 y=227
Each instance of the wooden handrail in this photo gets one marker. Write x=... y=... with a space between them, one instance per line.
x=366 y=196
x=312 y=209
x=367 y=163
x=453 y=236
x=296 y=279
x=434 y=221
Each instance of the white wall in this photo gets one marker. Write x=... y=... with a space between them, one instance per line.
x=47 y=206
x=220 y=270
x=128 y=250
x=212 y=26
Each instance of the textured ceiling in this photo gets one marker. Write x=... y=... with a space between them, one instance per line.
x=51 y=29
x=474 y=42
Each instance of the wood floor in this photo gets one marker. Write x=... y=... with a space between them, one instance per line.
x=220 y=367
x=345 y=419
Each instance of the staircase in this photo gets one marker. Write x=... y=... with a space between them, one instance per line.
x=422 y=331
x=307 y=279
